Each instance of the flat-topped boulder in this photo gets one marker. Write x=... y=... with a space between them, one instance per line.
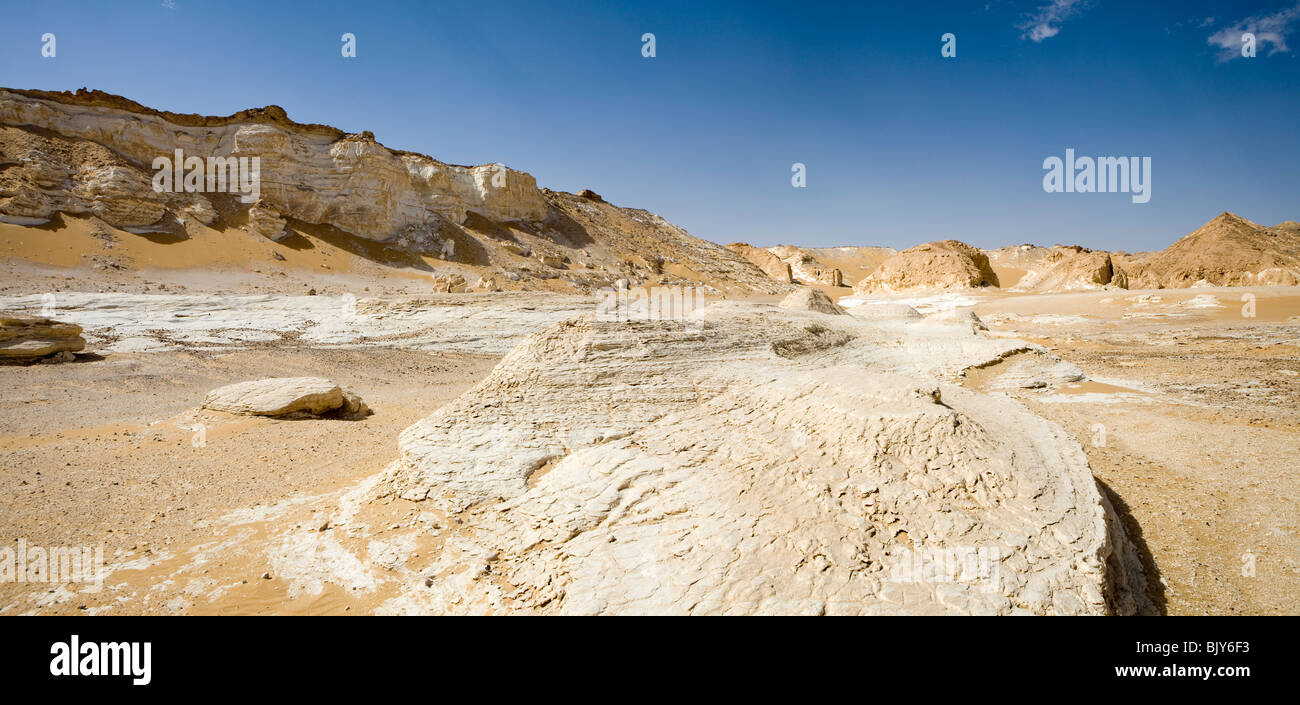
x=757 y=460
x=287 y=396
x=26 y=339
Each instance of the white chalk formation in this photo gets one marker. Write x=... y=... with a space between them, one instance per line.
x=767 y=462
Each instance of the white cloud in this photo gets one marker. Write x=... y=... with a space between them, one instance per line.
x=1271 y=29
x=1208 y=21
x=1043 y=23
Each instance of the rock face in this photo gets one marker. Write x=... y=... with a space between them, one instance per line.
x=757 y=460
x=1227 y=251
x=830 y=277
x=93 y=153
x=943 y=265
x=811 y=300
x=286 y=396
x=805 y=267
x=311 y=172
x=1073 y=269
x=47 y=173
x=771 y=265
x=26 y=339
x=266 y=222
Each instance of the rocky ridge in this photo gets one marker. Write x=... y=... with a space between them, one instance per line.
x=1227 y=251
x=91 y=153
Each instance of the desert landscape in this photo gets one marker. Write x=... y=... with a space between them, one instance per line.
x=391 y=385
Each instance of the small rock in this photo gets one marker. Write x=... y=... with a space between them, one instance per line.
x=284 y=396
x=25 y=339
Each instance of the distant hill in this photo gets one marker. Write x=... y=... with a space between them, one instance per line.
x=1227 y=251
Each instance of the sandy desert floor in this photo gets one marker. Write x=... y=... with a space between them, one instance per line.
x=127 y=471
x=1190 y=418
x=1191 y=422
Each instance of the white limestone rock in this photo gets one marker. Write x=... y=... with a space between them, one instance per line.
x=309 y=172
x=758 y=460
x=286 y=396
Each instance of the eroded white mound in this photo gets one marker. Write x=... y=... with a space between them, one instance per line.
x=757 y=460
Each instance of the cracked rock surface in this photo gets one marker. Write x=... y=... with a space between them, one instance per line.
x=692 y=467
x=286 y=396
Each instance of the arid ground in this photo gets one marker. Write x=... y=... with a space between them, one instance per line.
x=1190 y=418
x=1191 y=421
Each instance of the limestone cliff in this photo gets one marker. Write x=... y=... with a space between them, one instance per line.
x=90 y=153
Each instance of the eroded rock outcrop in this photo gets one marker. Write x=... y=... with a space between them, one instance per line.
x=1029 y=368
x=313 y=173
x=93 y=153
x=756 y=460
x=944 y=265
x=286 y=396
x=771 y=265
x=26 y=339
x=42 y=174
x=805 y=267
x=266 y=222
x=450 y=284
x=1073 y=269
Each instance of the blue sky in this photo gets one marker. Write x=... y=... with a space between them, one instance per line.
x=901 y=145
